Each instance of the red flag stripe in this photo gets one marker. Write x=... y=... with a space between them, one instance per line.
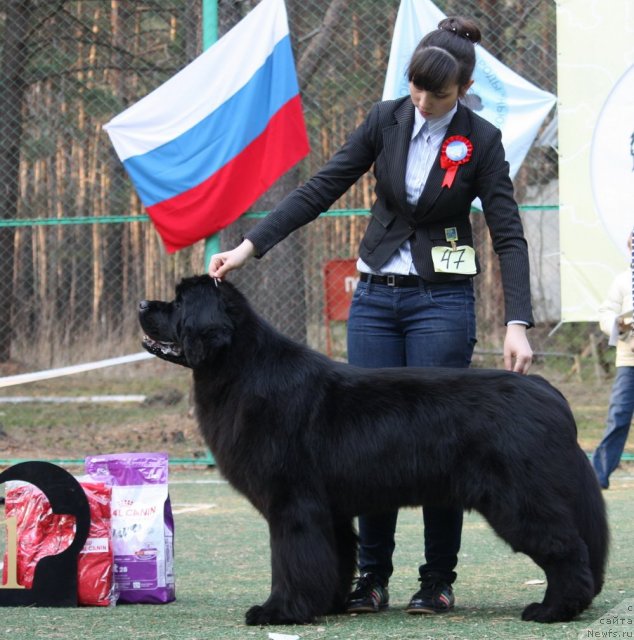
x=227 y=194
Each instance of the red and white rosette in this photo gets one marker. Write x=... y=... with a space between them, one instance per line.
x=455 y=151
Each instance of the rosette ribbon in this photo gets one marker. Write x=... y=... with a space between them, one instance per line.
x=455 y=151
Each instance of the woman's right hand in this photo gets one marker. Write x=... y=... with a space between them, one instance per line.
x=221 y=263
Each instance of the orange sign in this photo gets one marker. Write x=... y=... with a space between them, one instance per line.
x=341 y=280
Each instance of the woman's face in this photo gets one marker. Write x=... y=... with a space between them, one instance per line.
x=435 y=104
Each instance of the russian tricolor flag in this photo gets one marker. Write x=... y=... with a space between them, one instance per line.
x=202 y=147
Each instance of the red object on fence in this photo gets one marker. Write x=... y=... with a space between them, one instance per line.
x=340 y=278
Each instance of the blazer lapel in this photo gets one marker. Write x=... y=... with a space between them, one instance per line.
x=396 y=139
x=459 y=125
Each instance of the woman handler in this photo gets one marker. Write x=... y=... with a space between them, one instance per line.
x=414 y=305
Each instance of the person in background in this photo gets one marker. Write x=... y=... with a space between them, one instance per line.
x=414 y=304
x=607 y=455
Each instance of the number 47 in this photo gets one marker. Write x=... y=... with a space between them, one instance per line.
x=454 y=256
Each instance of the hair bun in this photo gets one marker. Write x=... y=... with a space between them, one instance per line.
x=463 y=27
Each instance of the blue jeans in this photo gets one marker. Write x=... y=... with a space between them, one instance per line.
x=607 y=456
x=425 y=326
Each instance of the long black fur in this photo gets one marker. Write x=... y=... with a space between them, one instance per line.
x=313 y=443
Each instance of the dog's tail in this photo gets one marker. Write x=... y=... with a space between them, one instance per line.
x=592 y=521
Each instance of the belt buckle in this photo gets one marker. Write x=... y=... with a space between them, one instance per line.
x=391 y=280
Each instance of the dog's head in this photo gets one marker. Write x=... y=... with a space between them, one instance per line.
x=191 y=329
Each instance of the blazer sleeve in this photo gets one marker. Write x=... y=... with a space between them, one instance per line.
x=495 y=190
x=305 y=203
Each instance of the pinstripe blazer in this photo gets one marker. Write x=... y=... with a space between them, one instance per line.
x=382 y=142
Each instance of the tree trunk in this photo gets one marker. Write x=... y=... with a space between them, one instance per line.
x=12 y=93
x=313 y=55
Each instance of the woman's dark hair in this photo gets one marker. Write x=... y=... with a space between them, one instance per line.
x=446 y=55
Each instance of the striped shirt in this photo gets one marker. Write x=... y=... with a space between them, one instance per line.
x=427 y=137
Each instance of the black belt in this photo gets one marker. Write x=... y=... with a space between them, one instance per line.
x=391 y=280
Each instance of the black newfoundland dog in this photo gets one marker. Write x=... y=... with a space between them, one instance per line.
x=313 y=443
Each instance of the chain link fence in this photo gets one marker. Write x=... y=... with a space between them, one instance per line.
x=76 y=249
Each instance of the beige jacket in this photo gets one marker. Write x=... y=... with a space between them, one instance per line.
x=618 y=300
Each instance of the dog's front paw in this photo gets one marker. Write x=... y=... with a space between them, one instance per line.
x=538 y=612
x=265 y=614
x=257 y=615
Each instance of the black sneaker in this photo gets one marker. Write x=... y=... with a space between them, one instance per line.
x=434 y=596
x=370 y=595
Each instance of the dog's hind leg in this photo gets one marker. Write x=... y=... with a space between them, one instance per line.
x=304 y=565
x=346 y=543
x=569 y=542
x=553 y=542
x=574 y=562
x=570 y=587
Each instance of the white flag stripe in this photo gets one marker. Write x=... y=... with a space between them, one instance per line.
x=202 y=86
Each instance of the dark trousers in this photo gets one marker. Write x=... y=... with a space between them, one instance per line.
x=425 y=326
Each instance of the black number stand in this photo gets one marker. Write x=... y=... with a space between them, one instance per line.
x=55 y=578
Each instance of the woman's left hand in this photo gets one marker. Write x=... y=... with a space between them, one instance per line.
x=518 y=354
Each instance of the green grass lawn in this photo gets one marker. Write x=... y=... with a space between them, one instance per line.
x=222 y=568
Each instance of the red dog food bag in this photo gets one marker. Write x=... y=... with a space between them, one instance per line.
x=96 y=583
x=41 y=533
x=142 y=525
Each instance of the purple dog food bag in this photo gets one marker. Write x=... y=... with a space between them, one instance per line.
x=142 y=525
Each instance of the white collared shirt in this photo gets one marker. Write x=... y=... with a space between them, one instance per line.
x=427 y=137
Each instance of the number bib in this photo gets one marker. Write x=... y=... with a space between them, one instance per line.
x=459 y=260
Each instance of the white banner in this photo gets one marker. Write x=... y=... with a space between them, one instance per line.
x=595 y=75
x=498 y=94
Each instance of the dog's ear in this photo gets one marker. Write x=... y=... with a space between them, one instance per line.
x=206 y=328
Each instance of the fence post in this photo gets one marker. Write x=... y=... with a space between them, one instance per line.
x=210 y=35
